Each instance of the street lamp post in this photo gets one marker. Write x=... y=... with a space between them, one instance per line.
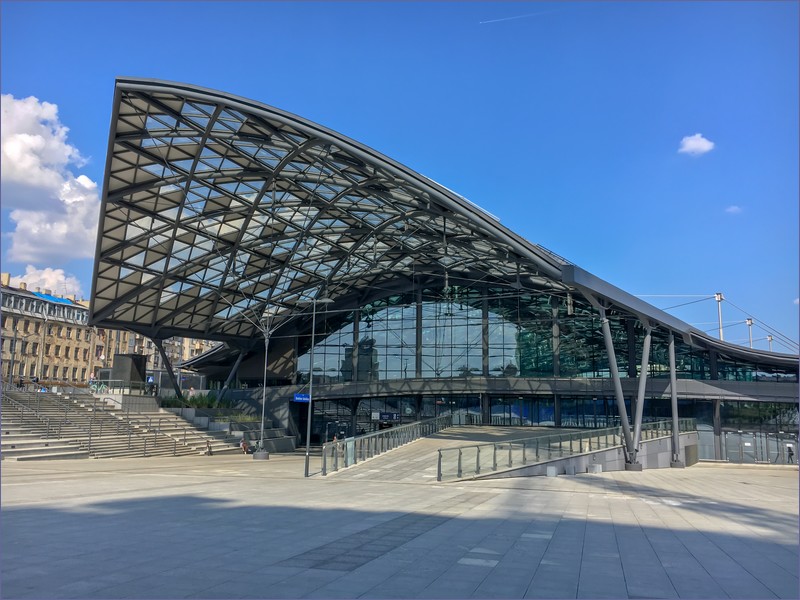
x=311 y=376
x=265 y=330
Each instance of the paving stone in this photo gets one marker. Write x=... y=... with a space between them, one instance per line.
x=181 y=527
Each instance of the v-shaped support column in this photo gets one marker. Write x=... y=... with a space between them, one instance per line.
x=235 y=368
x=630 y=454
x=637 y=420
x=168 y=366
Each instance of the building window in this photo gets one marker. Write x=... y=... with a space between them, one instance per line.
x=47 y=349
x=74 y=373
x=64 y=373
x=25 y=325
x=69 y=333
x=60 y=331
x=83 y=374
x=45 y=371
x=58 y=351
x=77 y=353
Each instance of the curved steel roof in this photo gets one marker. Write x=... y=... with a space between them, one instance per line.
x=216 y=209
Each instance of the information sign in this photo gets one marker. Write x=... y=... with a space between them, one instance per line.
x=302 y=398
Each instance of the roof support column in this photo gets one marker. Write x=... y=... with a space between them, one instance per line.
x=637 y=421
x=160 y=347
x=630 y=453
x=356 y=335
x=418 y=342
x=235 y=368
x=673 y=393
x=556 y=338
x=485 y=335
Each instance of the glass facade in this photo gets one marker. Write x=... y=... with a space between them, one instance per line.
x=499 y=332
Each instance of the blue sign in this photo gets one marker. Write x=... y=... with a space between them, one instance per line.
x=302 y=398
x=390 y=416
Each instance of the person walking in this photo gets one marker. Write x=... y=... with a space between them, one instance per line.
x=790 y=455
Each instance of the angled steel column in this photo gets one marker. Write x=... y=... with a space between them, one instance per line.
x=637 y=420
x=231 y=374
x=630 y=455
x=673 y=392
x=168 y=366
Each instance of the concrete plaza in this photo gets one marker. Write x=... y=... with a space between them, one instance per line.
x=233 y=527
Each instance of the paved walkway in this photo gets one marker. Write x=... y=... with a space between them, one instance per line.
x=232 y=527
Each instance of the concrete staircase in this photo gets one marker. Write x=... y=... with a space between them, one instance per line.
x=41 y=426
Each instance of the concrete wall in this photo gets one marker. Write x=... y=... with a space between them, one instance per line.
x=654 y=454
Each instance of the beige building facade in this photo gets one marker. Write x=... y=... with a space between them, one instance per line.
x=46 y=337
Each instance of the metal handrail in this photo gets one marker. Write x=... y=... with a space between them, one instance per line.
x=355 y=449
x=544 y=448
x=127 y=423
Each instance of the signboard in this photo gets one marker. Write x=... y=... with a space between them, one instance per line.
x=389 y=416
x=302 y=398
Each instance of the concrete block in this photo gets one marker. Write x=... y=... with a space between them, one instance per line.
x=552 y=471
x=260 y=455
x=595 y=468
x=569 y=469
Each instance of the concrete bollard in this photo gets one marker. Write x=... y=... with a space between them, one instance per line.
x=552 y=471
x=263 y=455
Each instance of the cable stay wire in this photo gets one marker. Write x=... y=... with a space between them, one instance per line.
x=767 y=327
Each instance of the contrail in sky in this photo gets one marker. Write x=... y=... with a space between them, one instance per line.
x=517 y=17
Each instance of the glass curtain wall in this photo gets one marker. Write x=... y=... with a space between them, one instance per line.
x=527 y=335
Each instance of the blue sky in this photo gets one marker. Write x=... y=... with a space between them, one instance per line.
x=564 y=119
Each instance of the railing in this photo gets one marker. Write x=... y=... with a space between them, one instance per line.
x=149 y=434
x=472 y=460
x=352 y=450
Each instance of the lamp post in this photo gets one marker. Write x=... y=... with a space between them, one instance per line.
x=265 y=331
x=719 y=298
x=749 y=322
x=311 y=376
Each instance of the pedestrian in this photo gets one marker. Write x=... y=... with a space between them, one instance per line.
x=790 y=455
x=243 y=446
x=209 y=452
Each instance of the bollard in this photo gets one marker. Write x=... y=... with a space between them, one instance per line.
x=477 y=461
x=524 y=458
x=509 y=455
x=459 y=464
x=439 y=467
x=494 y=457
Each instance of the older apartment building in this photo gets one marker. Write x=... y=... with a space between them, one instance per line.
x=47 y=336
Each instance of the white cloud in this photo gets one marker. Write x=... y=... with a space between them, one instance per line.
x=55 y=280
x=797 y=300
x=733 y=209
x=53 y=212
x=695 y=145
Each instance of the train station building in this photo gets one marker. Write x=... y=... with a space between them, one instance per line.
x=313 y=257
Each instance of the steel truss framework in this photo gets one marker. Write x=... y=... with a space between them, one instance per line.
x=217 y=210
